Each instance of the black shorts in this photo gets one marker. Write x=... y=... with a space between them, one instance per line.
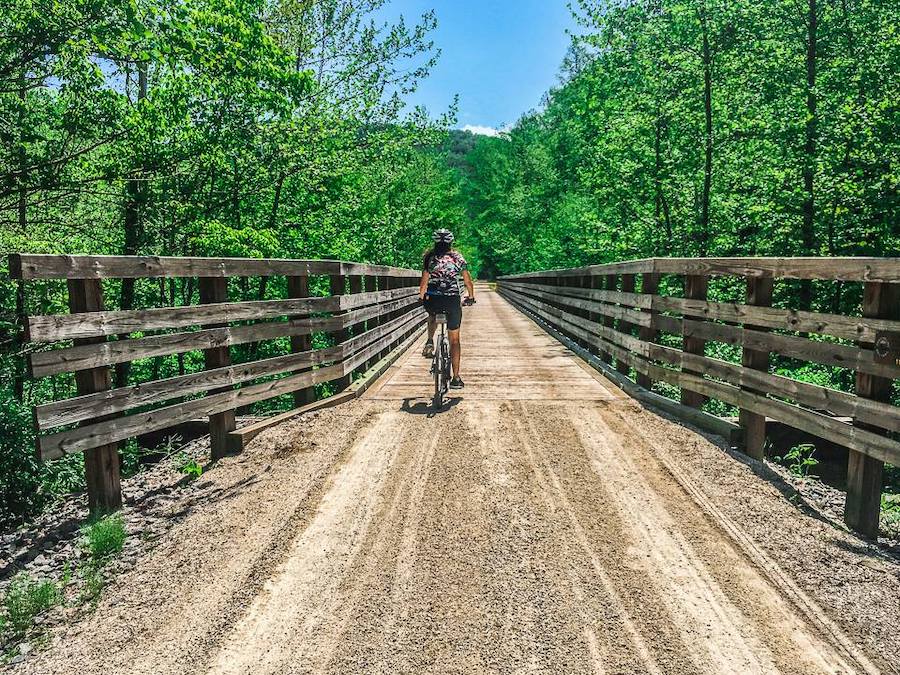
x=451 y=305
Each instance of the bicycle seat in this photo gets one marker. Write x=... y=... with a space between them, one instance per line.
x=440 y=318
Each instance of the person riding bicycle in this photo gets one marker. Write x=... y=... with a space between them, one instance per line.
x=439 y=290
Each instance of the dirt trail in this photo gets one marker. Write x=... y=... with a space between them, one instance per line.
x=531 y=527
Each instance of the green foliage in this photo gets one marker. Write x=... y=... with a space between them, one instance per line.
x=19 y=469
x=25 y=599
x=104 y=537
x=626 y=160
x=188 y=466
x=799 y=460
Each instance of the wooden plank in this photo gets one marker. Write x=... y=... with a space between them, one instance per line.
x=862 y=507
x=298 y=287
x=627 y=267
x=122 y=399
x=69 y=326
x=885 y=270
x=102 y=469
x=649 y=287
x=837 y=403
x=131 y=267
x=759 y=292
x=829 y=353
x=108 y=353
x=561 y=298
x=695 y=288
x=94 y=324
x=28 y=266
x=836 y=325
x=364 y=269
x=221 y=423
x=595 y=291
x=821 y=426
x=76 y=440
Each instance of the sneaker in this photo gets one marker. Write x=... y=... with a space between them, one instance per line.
x=457 y=383
x=428 y=352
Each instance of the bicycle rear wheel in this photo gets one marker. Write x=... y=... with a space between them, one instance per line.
x=438 y=367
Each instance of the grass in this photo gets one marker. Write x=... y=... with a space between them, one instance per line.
x=104 y=537
x=25 y=599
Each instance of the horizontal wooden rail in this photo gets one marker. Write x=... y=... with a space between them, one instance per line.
x=603 y=319
x=30 y=267
x=378 y=313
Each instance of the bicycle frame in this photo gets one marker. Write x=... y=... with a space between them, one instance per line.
x=440 y=364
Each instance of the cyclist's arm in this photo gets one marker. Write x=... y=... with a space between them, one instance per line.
x=470 y=287
x=423 y=284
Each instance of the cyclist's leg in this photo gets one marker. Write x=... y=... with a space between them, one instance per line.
x=454 y=321
x=428 y=350
x=455 y=350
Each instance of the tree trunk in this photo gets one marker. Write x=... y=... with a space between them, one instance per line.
x=134 y=198
x=807 y=234
x=708 y=136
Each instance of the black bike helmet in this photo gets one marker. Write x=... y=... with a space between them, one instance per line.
x=442 y=235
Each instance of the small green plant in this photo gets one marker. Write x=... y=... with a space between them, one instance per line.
x=25 y=599
x=104 y=536
x=91 y=582
x=188 y=465
x=890 y=515
x=799 y=459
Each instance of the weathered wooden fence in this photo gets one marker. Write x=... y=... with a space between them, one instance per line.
x=620 y=313
x=369 y=310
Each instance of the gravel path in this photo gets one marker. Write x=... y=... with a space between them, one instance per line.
x=568 y=532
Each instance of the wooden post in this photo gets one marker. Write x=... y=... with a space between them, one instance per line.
x=384 y=283
x=101 y=465
x=626 y=326
x=357 y=285
x=298 y=287
x=864 y=474
x=215 y=289
x=337 y=285
x=610 y=281
x=649 y=286
x=759 y=293
x=588 y=282
x=695 y=288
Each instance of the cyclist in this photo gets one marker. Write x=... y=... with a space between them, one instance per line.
x=439 y=290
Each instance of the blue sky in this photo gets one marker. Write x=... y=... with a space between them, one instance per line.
x=500 y=56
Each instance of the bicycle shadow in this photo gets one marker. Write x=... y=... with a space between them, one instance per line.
x=426 y=408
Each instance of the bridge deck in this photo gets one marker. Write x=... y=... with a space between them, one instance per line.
x=505 y=357
x=567 y=532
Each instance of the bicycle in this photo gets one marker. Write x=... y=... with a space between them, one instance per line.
x=440 y=363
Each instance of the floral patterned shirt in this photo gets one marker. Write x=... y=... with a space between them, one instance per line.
x=444 y=271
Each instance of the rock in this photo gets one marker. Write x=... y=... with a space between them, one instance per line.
x=24 y=648
x=16 y=660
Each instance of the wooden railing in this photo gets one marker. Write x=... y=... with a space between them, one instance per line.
x=636 y=313
x=368 y=311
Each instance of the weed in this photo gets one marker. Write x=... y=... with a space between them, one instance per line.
x=91 y=582
x=26 y=598
x=799 y=459
x=104 y=536
x=188 y=466
x=890 y=515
